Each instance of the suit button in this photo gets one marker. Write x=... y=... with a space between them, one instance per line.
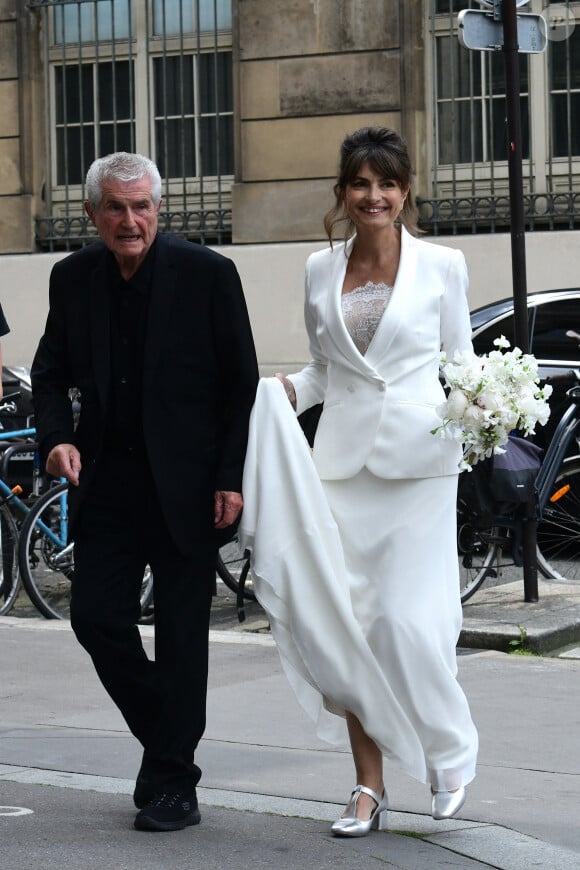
x=350 y=388
x=382 y=386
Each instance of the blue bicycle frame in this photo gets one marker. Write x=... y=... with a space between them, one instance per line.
x=9 y=495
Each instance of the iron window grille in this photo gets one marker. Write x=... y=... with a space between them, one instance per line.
x=469 y=177
x=153 y=76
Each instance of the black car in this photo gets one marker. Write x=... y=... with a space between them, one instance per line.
x=554 y=321
x=553 y=314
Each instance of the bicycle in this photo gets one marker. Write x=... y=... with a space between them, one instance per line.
x=46 y=559
x=46 y=556
x=9 y=575
x=233 y=567
x=557 y=512
x=11 y=507
x=48 y=531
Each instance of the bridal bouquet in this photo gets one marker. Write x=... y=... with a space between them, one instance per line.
x=489 y=396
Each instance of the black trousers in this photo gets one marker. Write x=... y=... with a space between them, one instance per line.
x=120 y=529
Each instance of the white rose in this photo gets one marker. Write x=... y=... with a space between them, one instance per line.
x=474 y=416
x=456 y=404
x=489 y=400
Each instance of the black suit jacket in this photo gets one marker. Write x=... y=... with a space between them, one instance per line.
x=199 y=377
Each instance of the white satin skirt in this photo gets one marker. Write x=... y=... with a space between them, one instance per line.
x=359 y=579
x=399 y=544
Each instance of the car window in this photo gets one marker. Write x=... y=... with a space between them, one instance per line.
x=551 y=321
x=483 y=342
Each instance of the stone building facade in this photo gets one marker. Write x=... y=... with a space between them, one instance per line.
x=276 y=84
x=21 y=132
x=333 y=66
x=304 y=72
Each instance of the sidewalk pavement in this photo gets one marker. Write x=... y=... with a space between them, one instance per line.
x=498 y=615
x=270 y=787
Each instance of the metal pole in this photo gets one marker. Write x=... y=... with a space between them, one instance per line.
x=518 y=246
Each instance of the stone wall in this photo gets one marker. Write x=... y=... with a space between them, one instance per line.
x=306 y=73
x=273 y=280
x=18 y=90
x=310 y=71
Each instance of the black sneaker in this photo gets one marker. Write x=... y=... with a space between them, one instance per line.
x=168 y=812
x=144 y=792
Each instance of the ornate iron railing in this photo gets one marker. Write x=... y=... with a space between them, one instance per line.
x=477 y=214
x=210 y=226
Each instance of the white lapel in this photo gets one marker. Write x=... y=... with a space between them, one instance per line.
x=334 y=320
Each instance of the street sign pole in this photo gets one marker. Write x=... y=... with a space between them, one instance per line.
x=518 y=244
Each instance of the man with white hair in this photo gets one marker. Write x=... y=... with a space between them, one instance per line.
x=154 y=332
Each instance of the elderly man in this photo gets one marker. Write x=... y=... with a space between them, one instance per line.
x=154 y=332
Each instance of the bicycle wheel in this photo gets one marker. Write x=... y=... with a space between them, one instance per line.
x=46 y=557
x=9 y=574
x=231 y=562
x=476 y=552
x=559 y=530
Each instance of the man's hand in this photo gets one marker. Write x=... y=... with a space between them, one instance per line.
x=227 y=508
x=64 y=460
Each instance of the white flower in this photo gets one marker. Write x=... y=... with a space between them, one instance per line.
x=489 y=396
x=528 y=406
x=489 y=399
x=513 y=420
x=474 y=417
x=456 y=404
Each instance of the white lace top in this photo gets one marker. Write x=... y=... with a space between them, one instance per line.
x=362 y=309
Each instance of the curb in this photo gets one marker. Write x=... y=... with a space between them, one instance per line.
x=493 y=845
x=538 y=641
x=498 y=615
x=215 y=635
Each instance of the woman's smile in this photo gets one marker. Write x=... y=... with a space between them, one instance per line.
x=371 y=197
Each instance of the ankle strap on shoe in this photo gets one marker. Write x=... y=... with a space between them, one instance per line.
x=362 y=788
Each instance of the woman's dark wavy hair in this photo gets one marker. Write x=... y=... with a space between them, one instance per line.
x=386 y=152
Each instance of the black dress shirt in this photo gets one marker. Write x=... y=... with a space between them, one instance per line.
x=129 y=312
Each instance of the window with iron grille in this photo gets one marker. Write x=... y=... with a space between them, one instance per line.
x=564 y=66
x=153 y=76
x=470 y=178
x=193 y=123
x=93 y=115
x=471 y=104
x=191 y=17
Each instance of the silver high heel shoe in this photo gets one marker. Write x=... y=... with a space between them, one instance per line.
x=350 y=826
x=444 y=804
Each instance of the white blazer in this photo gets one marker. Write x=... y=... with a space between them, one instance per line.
x=379 y=408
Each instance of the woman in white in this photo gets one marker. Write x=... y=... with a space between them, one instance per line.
x=379 y=311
